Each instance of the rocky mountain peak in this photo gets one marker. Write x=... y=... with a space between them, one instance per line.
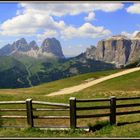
x=33 y=45
x=137 y=35
x=20 y=42
x=23 y=40
x=21 y=45
x=117 y=37
x=90 y=52
x=52 y=45
x=6 y=50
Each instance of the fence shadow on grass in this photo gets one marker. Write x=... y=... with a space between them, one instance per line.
x=125 y=123
x=98 y=126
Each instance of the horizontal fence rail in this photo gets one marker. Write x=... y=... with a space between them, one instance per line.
x=91 y=108
x=93 y=100
x=72 y=108
x=12 y=102
x=93 y=116
x=128 y=112
x=48 y=109
x=128 y=98
x=51 y=117
x=6 y=110
x=14 y=117
x=51 y=104
x=128 y=105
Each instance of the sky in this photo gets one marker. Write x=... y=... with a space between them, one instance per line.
x=77 y=25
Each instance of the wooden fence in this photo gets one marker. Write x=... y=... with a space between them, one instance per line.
x=112 y=107
x=30 y=110
x=72 y=108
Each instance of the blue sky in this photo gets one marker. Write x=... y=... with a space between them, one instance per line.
x=76 y=25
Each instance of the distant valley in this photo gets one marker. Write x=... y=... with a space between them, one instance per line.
x=27 y=64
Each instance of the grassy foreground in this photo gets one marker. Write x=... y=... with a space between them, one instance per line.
x=108 y=131
x=123 y=86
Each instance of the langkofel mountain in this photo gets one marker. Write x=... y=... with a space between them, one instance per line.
x=49 y=48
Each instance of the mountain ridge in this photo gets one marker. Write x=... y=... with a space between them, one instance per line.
x=50 y=47
x=48 y=63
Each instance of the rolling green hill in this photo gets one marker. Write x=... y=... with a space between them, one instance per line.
x=46 y=88
x=127 y=85
x=37 y=71
x=8 y=62
x=13 y=73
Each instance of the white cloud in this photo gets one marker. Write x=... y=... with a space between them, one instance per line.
x=134 y=9
x=86 y=30
x=61 y=9
x=28 y=24
x=74 y=50
x=32 y=17
x=134 y=33
x=90 y=17
x=129 y=35
x=108 y=7
x=47 y=33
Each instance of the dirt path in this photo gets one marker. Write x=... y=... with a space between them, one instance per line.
x=80 y=87
x=29 y=75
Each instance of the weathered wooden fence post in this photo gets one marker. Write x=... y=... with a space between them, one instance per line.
x=72 y=112
x=112 y=110
x=29 y=113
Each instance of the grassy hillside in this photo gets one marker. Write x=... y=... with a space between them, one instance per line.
x=38 y=71
x=12 y=73
x=127 y=85
x=123 y=86
x=7 y=63
x=47 y=88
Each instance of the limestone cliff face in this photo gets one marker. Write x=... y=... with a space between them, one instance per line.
x=114 y=50
x=135 y=49
x=118 y=50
